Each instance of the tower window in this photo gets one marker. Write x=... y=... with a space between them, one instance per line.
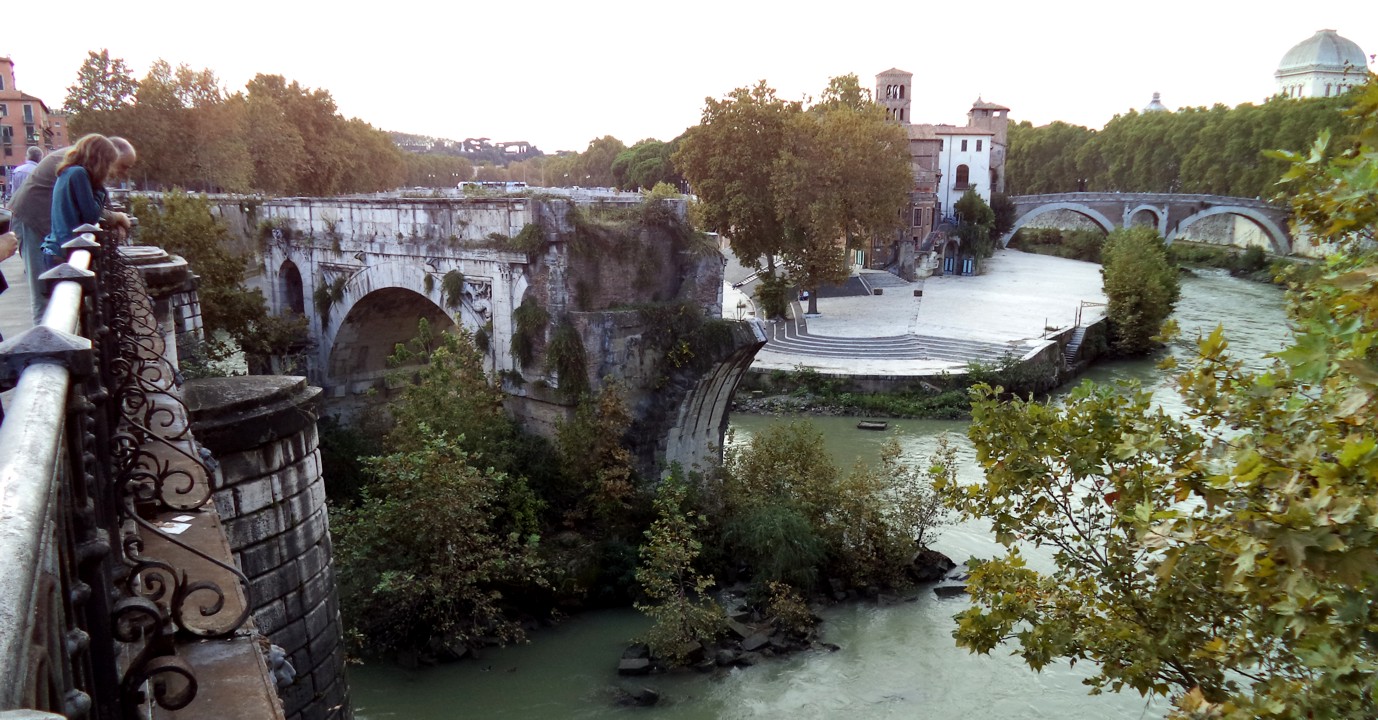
x=901 y=109
x=901 y=92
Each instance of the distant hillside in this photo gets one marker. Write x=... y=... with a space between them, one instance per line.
x=476 y=150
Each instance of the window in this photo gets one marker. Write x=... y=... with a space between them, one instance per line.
x=2 y=82
x=964 y=146
x=963 y=177
x=28 y=114
x=918 y=216
x=901 y=112
x=978 y=146
x=901 y=92
x=4 y=110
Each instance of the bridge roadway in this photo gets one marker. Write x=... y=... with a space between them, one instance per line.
x=1005 y=311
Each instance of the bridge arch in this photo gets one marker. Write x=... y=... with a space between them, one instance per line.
x=1147 y=216
x=1089 y=213
x=378 y=308
x=1282 y=245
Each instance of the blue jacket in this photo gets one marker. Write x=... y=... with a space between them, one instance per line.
x=75 y=203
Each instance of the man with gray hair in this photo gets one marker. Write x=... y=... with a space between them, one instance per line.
x=32 y=206
x=31 y=158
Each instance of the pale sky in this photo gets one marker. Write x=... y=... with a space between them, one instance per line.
x=561 y=73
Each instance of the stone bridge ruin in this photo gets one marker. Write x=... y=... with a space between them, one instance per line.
x=641 y=292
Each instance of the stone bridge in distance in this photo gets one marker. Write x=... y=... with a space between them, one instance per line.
x=1169 y=213
x=364 y=270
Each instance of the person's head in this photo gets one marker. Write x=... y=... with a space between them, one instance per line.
x=34 y=153
x=127 y=157
x=95 y=153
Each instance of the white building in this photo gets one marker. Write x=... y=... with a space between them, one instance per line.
x=1322 y=65
x=964 y=159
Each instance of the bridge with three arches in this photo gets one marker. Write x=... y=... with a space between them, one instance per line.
x=1171 y=214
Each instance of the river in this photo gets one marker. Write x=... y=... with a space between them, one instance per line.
x=897 y=661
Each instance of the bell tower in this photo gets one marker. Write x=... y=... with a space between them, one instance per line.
x=894 y=91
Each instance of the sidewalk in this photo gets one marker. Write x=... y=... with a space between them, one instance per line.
x=1019 y=299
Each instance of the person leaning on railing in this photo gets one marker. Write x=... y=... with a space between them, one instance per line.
x=32 y=206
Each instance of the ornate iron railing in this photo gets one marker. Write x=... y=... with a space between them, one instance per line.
x=94 y=455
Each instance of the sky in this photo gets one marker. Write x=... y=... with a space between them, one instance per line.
x=559 y=74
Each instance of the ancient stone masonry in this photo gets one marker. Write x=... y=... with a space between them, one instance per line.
x=270 y=493
x=628 y=291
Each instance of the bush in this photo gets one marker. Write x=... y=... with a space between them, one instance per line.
x=1142 y=288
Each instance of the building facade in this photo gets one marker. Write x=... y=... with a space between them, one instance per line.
x=1322 y=65
x=947 y=160
x=24 y=121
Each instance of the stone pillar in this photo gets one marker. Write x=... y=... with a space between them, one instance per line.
x=271 y=497
x=172 y=288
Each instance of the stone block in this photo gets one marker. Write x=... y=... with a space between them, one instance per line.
x=318 y=620
x=293 y=479
x=321 y=646
x=299 y=508
x=315 y=589
x=252 y=496
x=256 y=560
x=330 y=671
x=275 y=584
x=293 y=639
x=255 y=528
x=239 y=467
x=303 y=537
x=312 y=561
x=271 y=617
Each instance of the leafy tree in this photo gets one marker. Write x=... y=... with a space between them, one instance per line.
x=1227 y=559
x=680 y=610
x=1004 y=211
x=975 y=224
x=593 y=460
x=793 y=513
x=842 y=177
x=103 y=85
x=451 y=393
x=728 y=159
x=1141 y=286
x=646 y=164
x=430 y=547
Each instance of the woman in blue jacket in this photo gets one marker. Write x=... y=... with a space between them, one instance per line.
x=79 y=194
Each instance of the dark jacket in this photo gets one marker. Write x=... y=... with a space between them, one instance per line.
x=75 y=203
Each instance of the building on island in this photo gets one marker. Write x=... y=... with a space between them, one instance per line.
x=25 y=121
x=947 y=160
x=1322 y=65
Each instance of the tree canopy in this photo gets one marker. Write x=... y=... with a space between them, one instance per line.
x=795 y=184
x=274 y=137
x=1217 y=150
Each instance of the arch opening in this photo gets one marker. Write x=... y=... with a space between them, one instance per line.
x=290 y=293
x=1221 y=226
x=374 y=326
x=1144 y=217
x=1097 y=219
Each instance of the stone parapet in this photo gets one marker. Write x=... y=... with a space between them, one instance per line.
x=271 y=495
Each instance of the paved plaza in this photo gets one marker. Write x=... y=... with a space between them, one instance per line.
x=1009 y=309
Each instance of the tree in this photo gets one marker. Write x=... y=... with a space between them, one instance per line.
x=1228 y=558
x=1141 y=286
x=728 y=159
x=975 y=224
x=103 y=85
x=428 y=549
x=842 y=177
x=793 y=514
x=681 y=612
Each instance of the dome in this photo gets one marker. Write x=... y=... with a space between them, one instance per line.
x=1324 y=50
x=1156 y=105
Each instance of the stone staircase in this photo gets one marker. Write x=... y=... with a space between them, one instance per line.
x=792 y=337
x=1069 y=353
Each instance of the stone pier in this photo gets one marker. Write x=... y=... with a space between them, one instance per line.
x=271 y=495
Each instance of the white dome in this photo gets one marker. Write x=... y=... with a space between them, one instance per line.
x=1325 y=50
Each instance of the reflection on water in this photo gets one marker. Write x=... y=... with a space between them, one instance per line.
x=895 y=662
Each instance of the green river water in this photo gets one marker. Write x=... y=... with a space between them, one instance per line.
x=897 y=661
